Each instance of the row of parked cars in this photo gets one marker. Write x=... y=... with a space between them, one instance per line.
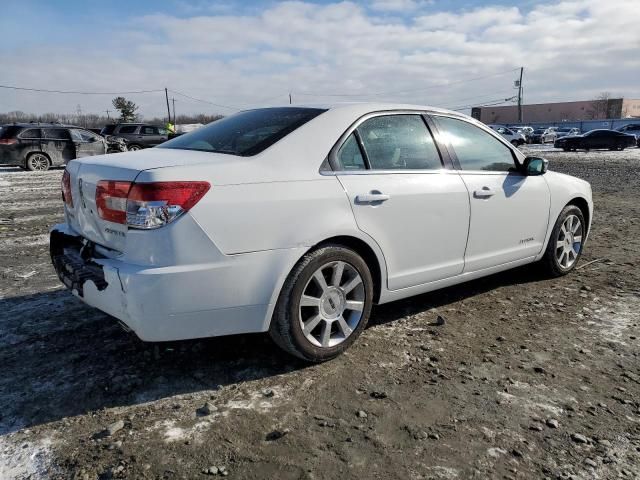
x=39 y=146
x=571 y=138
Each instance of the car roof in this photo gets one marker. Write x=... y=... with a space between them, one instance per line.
x=40 y=124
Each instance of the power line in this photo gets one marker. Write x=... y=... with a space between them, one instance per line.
x=488 y=103
x=11 y=87
x=202 y=101
x=398 y=92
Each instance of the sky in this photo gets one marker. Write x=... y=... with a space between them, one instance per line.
x=225 y=56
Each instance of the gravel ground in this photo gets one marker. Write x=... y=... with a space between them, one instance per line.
x=527 y=378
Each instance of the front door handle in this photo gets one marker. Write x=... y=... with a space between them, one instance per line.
x=372 y=198
x=485 y=192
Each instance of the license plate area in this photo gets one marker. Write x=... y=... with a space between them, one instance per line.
x=73 y=259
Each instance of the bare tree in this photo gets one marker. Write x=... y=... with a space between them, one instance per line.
x=599 y=108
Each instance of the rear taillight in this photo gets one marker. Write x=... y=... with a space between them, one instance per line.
x=147 y=205
x=67 y=198
x=8 y=141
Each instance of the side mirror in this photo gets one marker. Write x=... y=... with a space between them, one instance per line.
x=534 y=166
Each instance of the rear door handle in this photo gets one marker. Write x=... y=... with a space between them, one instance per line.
x=372 y=198
x=485 y=192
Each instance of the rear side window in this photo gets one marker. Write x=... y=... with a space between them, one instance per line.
x=350 y=156
x=394 y=142
x=128 y=129
x=57 y=134
x=475 y=148
x=30 y=133
x=245 y=133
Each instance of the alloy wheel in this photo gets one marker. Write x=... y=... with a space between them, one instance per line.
x=38 y=162
x=331 y=304
x=569 y=241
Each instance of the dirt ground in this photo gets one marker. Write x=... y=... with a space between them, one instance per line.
x=527 y=378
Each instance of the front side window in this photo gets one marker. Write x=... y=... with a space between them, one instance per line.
x=394 y=142
x=246 y=133
x=475 y=148
x=349 y=156
x=84 y=136
x=149 y=131
x=57 y=134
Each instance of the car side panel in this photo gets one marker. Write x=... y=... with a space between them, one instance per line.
x=264 y=216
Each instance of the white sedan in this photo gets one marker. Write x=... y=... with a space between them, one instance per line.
x=296 y=220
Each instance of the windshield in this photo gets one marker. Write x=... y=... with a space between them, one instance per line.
x=539 y=130
x=245 y=133
x=108 y=130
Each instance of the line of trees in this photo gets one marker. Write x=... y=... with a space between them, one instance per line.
x=91 y=120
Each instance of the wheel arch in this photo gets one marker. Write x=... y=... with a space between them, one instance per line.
x=367 y=253
x=583 y=205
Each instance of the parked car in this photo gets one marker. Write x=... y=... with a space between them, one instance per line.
x=295 y=220
x=632 y=129
x=39 y=146
x=137 y=135
x=514 y=138
x=543 y=135
x=610 y=139
x=566 y=131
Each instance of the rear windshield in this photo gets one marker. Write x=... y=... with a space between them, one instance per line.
x=108 y=130
x=245 y=133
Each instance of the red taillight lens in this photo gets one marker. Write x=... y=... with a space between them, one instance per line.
x=111 y=200
x=8 y=141
x=147 y=205
x=67 y=198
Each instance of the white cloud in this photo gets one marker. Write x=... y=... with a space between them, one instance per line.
x=570 y=50
x=398 y=5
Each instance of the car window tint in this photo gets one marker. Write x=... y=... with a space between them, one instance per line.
x=127 y=129
x=394 y=142
x=149 y=131
x=475 y=148
x=30 y=133
x=350 y=156
x=56 y=133
x=245 y=133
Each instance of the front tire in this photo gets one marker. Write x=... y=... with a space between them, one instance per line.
x=324 y=304
x=134 y=148
x=565 y=243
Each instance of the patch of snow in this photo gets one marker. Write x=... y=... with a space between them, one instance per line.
x=26 y=460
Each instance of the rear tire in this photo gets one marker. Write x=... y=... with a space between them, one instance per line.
x=565 y=243
x=37 y=162
x=315 y=319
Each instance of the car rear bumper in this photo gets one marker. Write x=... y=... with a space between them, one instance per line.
x=231 y=296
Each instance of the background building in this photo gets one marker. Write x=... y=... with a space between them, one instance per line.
x=609 y=108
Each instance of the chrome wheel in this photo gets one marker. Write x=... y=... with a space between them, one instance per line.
x=569 y=241
x=38 y=162
x=331 y=304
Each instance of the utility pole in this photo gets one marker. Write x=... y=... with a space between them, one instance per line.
x=173 y=100
x=520 y=96
x=107 y=111
x=166 y=96
x=289 y=98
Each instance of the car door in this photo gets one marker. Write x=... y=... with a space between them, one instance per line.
x=509 y=211
x=404 y=198
x=57 y=144
x=87 y=143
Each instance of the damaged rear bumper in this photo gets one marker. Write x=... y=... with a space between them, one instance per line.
x=229 y=295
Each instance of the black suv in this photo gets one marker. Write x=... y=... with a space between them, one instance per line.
x=137 y=135
x=38 y=146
